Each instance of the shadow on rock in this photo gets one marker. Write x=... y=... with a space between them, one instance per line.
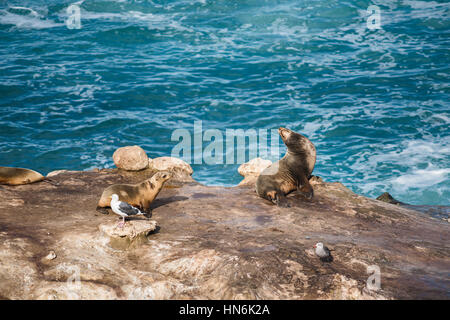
x=163 y=201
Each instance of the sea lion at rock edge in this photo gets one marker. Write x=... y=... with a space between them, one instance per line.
x=290 y=173
x=140 y=195
x=17 y=176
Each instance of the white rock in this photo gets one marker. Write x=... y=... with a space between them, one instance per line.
x=130 y=158
x=51 y=255
x=56 y=172
x=179 y=168
x=251 y=170
x=253 y=167
x=133 y=233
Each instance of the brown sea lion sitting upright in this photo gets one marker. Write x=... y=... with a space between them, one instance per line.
x=17 y=176
x=140 y=195
x=290 y=173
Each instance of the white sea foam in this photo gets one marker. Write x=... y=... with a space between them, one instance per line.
x=84 y=91
x=420 y=10
x=123 y=16
x=424 y=4
x=88 y=15
x=412 y=153
x=313 y=129
x=153 y=21
x=32 y=20
x=280 y=27
x=442 y=117
x=29 y=10
x=427 y=164
x=420 y=178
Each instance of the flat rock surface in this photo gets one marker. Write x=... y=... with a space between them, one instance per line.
x=131 y=229
x=216 y=243
x=131 y=234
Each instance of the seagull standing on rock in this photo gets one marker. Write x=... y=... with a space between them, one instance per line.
x=123 y=209
x=323 y=252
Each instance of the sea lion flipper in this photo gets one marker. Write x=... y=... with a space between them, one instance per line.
x=306 y=189
x=282 y=201
x=277 y=198
x=148 y=212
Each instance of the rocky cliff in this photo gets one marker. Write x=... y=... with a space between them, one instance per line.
x=213 y=243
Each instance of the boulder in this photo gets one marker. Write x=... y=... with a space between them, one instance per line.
x=132 y=234
x=251 y=170
x=131 y=158
x=440 y=212
x=56 y=172
x=181 y=170
x=386 y=197
x=51 y=255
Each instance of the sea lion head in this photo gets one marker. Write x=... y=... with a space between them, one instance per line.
x=161 y=176
x=294 y=141
x=299 y=146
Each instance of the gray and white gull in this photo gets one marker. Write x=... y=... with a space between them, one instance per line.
x=123 y=209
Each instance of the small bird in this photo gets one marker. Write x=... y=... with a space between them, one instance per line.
x=123 y=209
x=323 y=252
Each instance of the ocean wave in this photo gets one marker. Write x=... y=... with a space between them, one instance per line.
x=420 y=179
x=413 y=165
x=26 y=18
x=374 y=102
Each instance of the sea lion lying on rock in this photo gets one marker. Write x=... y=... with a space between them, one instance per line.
x=140 y=195
x=17 y=176
x=290 y=173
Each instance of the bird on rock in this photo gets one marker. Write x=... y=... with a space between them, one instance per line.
x=123 y=209
x=323 y=252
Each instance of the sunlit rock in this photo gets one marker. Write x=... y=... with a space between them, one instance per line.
x=251 y=170
x=132 y=158
x=181 y=170
x=132 y=233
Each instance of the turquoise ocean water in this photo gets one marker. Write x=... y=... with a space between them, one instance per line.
x=376 y=103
